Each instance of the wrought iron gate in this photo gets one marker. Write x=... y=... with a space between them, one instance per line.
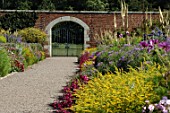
x=67 y=39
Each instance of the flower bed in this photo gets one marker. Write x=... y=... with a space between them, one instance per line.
x=18 y=55
x=120 y=77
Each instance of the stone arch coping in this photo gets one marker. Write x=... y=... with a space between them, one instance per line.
x=49 y=27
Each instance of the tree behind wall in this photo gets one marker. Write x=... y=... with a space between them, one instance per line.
x=17 y=20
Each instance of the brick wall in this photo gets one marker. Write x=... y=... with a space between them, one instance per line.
x=97 y=21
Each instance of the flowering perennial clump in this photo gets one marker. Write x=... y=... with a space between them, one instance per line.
x=120 y=92
x=162 y=107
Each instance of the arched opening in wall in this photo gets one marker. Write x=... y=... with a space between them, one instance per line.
x=65 y=20
x=67 y=39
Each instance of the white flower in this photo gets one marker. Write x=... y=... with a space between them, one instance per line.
x=168 y=101
x=162 y=102
x=151 y=107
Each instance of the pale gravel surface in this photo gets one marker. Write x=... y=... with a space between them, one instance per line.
x=31 y=91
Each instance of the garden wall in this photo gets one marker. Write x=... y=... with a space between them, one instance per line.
x=96 y=20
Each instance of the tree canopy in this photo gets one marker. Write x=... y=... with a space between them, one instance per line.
x=82 y=5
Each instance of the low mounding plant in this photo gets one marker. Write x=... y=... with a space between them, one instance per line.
x=2 y=39
x=122 y=92
x=5 y=64
x=33 y=35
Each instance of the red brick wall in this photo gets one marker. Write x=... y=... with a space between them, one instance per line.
x=97 y=21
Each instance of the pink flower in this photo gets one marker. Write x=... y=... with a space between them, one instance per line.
x=84 y=78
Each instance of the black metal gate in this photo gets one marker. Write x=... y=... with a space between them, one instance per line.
x=67 y=39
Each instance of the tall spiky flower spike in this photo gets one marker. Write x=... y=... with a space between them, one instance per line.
x=127 y=23
x=161 y=17
x=146 y=16
x=123 y=12
x=115 y=24
x=150 y=20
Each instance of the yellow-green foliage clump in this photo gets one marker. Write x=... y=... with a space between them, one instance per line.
x=2 y=39
x=33 y=35
x=120 y=92
x=29 y=56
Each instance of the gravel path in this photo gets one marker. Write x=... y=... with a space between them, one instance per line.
x=31 y=91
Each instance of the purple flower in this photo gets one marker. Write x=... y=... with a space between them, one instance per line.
x=137 y=49
x=110 y=62
x=92 y=56
x=150 y=47
x=126 y=45
x=160 y=107
x=122 y=58
x=155 y=41
x=99 y=64
x=164 y=98
x=144 y=44
x=99 y=53
x=159 y=33
x=127 y=33
x=165 y=46
x=19 y=40
x=121 y=35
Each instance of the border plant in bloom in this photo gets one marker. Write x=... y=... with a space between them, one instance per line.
x=119 y=92
x=67 y=100
x=162 y=107
x=22 y=54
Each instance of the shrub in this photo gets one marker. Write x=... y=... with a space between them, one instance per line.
x=33 y=35
x=121 y=92
x=29 y=56
x=5 y=64
x=2 y=39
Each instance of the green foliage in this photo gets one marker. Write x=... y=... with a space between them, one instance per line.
x=112 y=5
x=5 y=64
x=17 y=20
x=98 y=5
x=121 y=92
x=29 y=56
x=113 y=38
x=46 y=5
x=33 y=35
x=2 y=39
x=24 y=5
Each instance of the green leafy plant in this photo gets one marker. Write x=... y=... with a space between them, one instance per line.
x=29 y=56
x=5 y=64
x=33 y=35
x=2 y=39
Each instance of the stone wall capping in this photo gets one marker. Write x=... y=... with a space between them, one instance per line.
x=78 y=12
